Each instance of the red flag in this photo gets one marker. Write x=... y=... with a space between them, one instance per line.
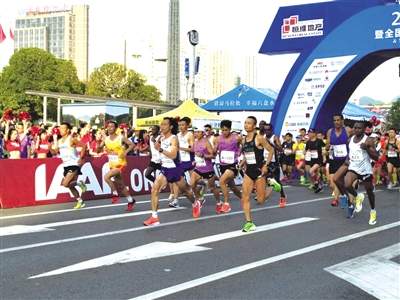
x=11 y=34
x=2 y=34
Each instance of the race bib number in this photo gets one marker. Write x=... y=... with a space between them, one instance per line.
x=200 y=161
x=392 y=153
x=356 y=155
x=44 y=147
x=167 y=162
x=113 y=158
x=227 y=157
x=288 y=152
x=314 y=154
x=340 y=150
x=250 y=158
x=185 y=156
x=308 y=156
x=300 y=153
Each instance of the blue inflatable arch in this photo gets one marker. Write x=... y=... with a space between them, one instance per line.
x=340 y=43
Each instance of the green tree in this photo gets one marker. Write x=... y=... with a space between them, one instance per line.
x=393 y=118
x=36 y=69
x=113 y=80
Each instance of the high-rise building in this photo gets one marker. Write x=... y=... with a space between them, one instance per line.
x=249 y=76
x=173 y=74
x=64 y=33
x=222 y=73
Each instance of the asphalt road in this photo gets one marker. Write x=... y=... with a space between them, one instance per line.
x=290 y=256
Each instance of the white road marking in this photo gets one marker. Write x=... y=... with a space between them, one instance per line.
x=85 y=208
x=374 y=273
x=19 y=229
x=110 y=233
x=162 y=249
x=90 y=207
x=243 y=268
x=30 y=229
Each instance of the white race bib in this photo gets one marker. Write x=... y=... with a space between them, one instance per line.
x=314 y=154
x=227 y=157
x=300 y=153
x=288 y=152
x=308 y=156
x=200 y=161
x=392 y=153
x=357 y=155
x=340 y=150
x=113 y=158
x=250 y=158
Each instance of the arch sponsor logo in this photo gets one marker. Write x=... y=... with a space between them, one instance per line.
x=293 y=28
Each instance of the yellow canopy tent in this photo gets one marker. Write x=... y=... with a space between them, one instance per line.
x=199 y=116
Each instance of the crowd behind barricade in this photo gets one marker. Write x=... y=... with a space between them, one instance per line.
x=19 y=138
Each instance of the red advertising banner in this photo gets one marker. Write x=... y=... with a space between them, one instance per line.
x=27 y=182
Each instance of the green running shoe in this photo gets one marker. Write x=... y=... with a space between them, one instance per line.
x=275 y=185
x=249 y=226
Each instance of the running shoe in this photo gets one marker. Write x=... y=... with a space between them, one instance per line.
x=334 y=202
x=343 y=201
x=350 y=212
x=249 y=226
x=130 y=206
x=226 y=207
x=275 y=185
x=282 y=202
x=152 y=221
x=174 y=203
x=318 y=188
x=196 y=209
x=372 y=217
x=202 y=201
x=114 y=199
x=390 y=186
x=302 y=180
x=79 y=205
x=82 y=186
x=218 y=208
x=359 y=202
x=312 y=187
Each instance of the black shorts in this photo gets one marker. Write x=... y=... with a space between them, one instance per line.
x=287 y=160
x=207 y=175
x=233 y=168
x=155 y=166
x=72 y=169
x=313 y=162
x=363 y=178
x=334 y=165
x=253 y=172
x=394 y=161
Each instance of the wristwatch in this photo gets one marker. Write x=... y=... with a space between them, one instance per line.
x=161 y=150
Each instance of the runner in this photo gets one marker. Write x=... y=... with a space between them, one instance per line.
x=392 y=150
x=300 y=150
x=66 y=147
x=186 y=156
x=337 y=139
x=204 y=169
x=314 y=159
x=288 y=157
x=255 y=169
x=116 y=152
x=227 y=147
x=155 y=161
x=168 y=146
x=274 y=169
x=361 y=151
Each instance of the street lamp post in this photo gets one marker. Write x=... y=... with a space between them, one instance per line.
x=194 y=40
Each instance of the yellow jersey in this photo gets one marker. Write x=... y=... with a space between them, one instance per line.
x=299 y=149
x=115 y=152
